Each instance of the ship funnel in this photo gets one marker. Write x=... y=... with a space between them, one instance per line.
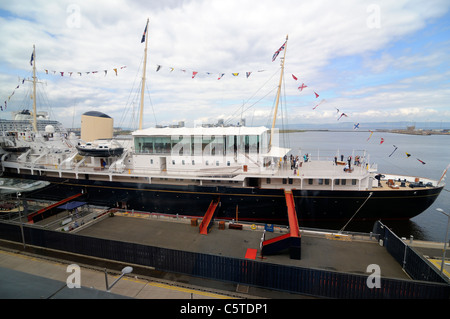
x=96 y=125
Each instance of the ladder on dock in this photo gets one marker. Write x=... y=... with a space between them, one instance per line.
x=206 y=224
x=291 y=240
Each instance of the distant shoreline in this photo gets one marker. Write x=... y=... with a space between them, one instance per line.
x=408 y=132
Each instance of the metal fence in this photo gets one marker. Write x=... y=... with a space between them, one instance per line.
x=415 y=265
x=314 y=282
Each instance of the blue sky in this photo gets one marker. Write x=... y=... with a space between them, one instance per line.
x=396 y=69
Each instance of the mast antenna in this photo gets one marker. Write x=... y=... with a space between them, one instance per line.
x=34 y=89
x=141 y=113
x=278 y=95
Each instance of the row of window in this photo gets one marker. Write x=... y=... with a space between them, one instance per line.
x=320 y=181
x=183 y=162
x=188 y=145
x=197 y=180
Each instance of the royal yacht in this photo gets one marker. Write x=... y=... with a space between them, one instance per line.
x=182 y=170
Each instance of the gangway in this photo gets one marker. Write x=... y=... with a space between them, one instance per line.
x=40 y=213
x=206 y=224
x=291 y=240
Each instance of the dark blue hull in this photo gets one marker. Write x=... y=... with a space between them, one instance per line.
x=251 y=204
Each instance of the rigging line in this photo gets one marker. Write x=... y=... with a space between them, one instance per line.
x=242 y=106
x=73 y=113
x=127 y=104
x=342 y=229
x=46 y=100
x=284 y=115
x=42 y=102
x=260 y=99
x=130 y=103
x=391 y=163
x=269 y=119
x=151 y=103
x=244 y=110
x=26 y=97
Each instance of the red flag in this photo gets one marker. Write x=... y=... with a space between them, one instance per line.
x=421 y=161
x=295 y=78
x=194 y=74
x=301 y=87
x=317 y=95
x=382 y=140
x=318 y=104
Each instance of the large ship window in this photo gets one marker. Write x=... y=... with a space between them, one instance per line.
x=152 y=145
x=206 y=145
x=218 y=145
x=251 y=143
x=230 y=144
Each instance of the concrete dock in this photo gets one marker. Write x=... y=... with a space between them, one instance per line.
x=318 y=250
x=349 y=253
x=28 y=276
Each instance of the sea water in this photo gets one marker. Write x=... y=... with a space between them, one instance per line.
x=388 y=151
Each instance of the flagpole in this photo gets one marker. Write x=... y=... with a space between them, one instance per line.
x=34 y=90
x=143 y=78
x=278 y=95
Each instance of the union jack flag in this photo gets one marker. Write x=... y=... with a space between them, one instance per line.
x=145 y=33
x=278 y=52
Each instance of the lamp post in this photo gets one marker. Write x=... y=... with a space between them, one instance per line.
x=20 y=219
x=446 y=233
x=125 y=271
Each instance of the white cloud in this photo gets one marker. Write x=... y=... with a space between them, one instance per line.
x=223 y=36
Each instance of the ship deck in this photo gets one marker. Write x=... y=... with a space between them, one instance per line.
x=324 y=175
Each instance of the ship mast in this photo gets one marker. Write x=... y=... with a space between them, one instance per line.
x=278 y=95
x=34 y=90
x=143 y=78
